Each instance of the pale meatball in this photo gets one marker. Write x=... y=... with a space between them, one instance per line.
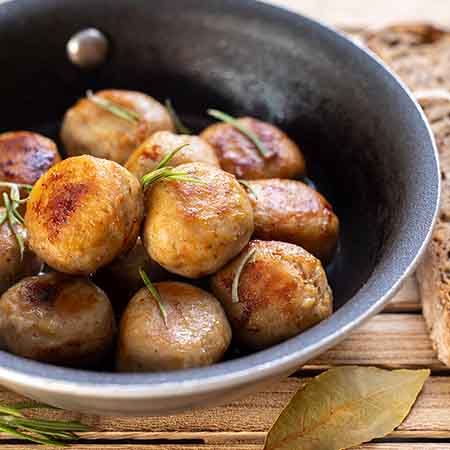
x=57 y=319
x=197 y=332
x=282 y=291
x=83 y=213
x=194 y=229
x=90 y=129
x=12 y=267
x=121 y=279
x=238 y=154
x=145 y=158
x=291 y=211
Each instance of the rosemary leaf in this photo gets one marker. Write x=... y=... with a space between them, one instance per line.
x=11 y=210
x=154 y=292
x=235 y=285
x=3 y=217
x=170 y=174
x=10 y=411
x=35 y=437
x=165 y=161
x=247 y=185
x=6 y=184
x=224 y=117
x=119 y=111
x=180 y=127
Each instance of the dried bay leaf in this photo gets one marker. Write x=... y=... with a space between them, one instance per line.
x=344 y=407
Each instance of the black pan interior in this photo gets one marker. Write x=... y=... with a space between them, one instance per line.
x=245 y=64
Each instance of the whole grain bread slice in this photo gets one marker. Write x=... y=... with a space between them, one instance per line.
x=418 y=53
x=433 y=272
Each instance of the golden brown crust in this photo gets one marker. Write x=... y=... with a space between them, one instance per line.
x=90 y=129
x=25 y=156
x=283 y=290
x=147 y=156
x=197 y=332
x=57 y=319
x=83 y=213
x=291 y=211
x=238 y=155
x=433 y=272
x=417 y=52
x=12 y=267
x=194 y=229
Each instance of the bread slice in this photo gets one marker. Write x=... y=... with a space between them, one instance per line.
x=418 y=53
x=433 y=272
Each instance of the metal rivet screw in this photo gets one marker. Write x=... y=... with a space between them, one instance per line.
x=88 y=48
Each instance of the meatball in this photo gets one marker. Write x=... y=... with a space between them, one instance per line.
x=238 y=154
x=25 y=156
x=282 y=291
x=89 y=128
x=145 y=158
x=12 y=266
x=57 y=319
x=291 y=211
x=194 y=229
x=121 y=279
x=83 y=213
x=197 y=332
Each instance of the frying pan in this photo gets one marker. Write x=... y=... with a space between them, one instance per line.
x=367 y=145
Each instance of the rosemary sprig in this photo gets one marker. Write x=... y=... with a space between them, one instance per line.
x=163 y=171
x=12 y=215
x=8 y=185
x=235 y=285
x=247 y=185
x=168 y=173
x=154 y=292
x=47 y=432
x=165 y=161
x=224 y=117
x=113 y=108
x=179 y=125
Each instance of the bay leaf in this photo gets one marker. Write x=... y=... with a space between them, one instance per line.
x=344 y=407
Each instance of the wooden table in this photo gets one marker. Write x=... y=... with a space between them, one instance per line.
x=396 y=338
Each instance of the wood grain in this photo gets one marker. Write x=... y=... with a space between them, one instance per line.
x=407 y=299
x=249 y=419
x=396 y=446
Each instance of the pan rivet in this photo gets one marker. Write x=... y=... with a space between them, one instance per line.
x=88 y=48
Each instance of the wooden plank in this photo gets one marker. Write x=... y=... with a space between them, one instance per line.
x=248 y=420
x=387 y=340
x=407 y=299
x=383 y=446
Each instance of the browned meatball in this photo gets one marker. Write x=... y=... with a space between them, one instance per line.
x=12 y=266
x=83 y=213
x=197 y=332
x=238 y=155
x=57 y=319
x=25 y=156
x=282 y=289
x=121 y=279
x=291 y=211
x=145 y=158
x=194 y=229
x=89 y=128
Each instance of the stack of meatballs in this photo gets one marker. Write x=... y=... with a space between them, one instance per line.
x=237 y=256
